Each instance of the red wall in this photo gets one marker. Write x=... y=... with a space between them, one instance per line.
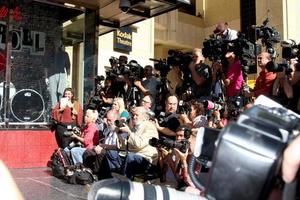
x=26 y=148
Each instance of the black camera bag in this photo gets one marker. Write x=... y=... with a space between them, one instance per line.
x=79 y=174
x=59 y=161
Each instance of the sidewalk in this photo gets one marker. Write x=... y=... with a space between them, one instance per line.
x=39 y=184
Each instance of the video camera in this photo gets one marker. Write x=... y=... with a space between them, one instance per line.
x=175 y=58
x=182 y=145
x=162 y=66
x=134 y=69
x=248 y=152
x=113 y=61
x=215 y=49
x=268 y=35
x=290 y=50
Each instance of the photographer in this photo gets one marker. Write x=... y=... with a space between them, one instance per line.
x=93 y=158
x=169 y=123
x=282 y=90
x=196 y=117
x=141 y=155
x=294 y=81
x=223 y=32
x=148 y=86
x=178 y=162
x=265 y=80
x=146 y=102
x=201 y=75
x=106 y=93
x=233 y=80
x=89 y=136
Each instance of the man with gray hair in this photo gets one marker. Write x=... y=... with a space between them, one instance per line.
x=141 y=155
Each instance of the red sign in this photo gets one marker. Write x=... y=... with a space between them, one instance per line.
x=17 y=15
x=3 y=12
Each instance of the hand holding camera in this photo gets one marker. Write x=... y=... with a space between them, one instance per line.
x=122 y=127
x=72 y=132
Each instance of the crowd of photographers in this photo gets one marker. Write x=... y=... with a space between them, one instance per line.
x=149 y=116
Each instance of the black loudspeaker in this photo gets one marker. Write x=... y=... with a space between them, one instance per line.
x=27 y=105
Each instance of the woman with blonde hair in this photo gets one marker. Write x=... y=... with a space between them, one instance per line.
x=119 y=105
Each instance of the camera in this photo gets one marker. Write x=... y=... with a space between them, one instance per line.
x=183 y=107
x=279 y=67
x=290 y=49
x=168 y=144
x=209 y=105
x=161 y=118
x=113 y=61
x=75 y=130
x=248 y=152
x=268 y=35
x=214 y=49
x=135 y=70
x=119 y=123
x=162 y=66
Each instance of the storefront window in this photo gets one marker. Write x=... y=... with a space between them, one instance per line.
x=33 y=38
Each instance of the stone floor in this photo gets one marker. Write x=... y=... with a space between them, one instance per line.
x=39 y=184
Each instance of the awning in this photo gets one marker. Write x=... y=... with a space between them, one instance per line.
x=114 y=14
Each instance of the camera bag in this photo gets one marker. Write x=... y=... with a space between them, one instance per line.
x=60 y=160
x=79 y=174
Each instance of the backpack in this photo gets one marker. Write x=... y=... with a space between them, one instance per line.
x=79 y=174
x=60 y=160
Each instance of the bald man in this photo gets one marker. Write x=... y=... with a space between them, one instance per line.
x=264 y=82
x=223 y=32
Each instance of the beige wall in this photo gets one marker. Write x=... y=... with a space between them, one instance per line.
x=142 y=46
x=178 y=30
x=290 y=20
x=184 y=32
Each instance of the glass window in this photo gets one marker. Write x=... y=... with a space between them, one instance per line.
x=40 y=67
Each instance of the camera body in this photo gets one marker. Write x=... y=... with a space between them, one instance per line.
x=75 y=130
x=268 y=35
x=215 y=49
x=280 y=67
x=248 y=152
x=119 y=123
x=182 y=145
x=290 y=50
x=184 y=107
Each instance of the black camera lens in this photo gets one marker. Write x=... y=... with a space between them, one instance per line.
x=119 y=123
